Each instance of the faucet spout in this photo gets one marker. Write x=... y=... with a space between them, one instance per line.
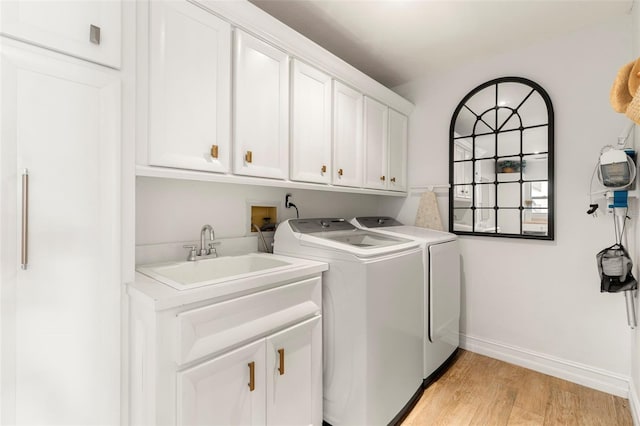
x=204 y=248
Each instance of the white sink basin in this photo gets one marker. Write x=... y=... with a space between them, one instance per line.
x=185 y=275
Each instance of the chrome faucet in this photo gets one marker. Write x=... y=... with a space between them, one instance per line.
x=208 y=249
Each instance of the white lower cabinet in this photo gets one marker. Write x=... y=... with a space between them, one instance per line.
x=249 y=360
x=229 y=389
x=294 y=375
x=233 y=388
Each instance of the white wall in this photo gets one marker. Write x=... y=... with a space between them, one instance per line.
x=169 y=210
x=531 y=302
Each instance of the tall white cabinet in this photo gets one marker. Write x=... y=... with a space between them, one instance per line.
x=60 y=239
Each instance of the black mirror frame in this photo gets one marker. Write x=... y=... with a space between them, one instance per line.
x=550 y=164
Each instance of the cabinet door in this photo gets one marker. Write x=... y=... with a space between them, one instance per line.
x=311 y=124
x=189 y=88
x=60 y=120
x=86 y=29
x=294 y=375
x=347 y=136
x=376 y=117
x=261 y=123
x=397 y=151
x=218 y=392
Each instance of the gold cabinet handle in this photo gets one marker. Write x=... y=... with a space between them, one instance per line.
x=393 y=180
x=281 y=367
x=24 y=250
x=323 y=169
x=252 y=376
x=214 y=151
x=382 y=178
x=248 y=157
x=340 y=172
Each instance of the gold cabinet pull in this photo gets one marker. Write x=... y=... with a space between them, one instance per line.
x=248 y=157
x=24 y=250
x=340 y=172
x=252 y=376
x=214 y=151
x=323 y=169
x=382 y=178
x=281 y=367
x=393 y=180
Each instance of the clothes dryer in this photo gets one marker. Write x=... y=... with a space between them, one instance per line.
x=372 y=317
x=441 y=280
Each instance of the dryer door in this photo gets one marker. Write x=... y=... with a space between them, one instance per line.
x=444 y=293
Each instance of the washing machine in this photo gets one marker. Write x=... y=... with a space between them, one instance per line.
x=441 y=259
x=372 y=317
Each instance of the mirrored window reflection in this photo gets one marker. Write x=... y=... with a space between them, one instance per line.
x=502 y=161
x=509 y=220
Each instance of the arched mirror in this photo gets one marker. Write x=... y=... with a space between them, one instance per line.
x=501 y=161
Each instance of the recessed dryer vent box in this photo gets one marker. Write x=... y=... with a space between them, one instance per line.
x=265 y=217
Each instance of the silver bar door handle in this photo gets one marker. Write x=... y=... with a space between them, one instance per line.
x=24 y=249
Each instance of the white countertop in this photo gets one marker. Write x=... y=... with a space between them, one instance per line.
x=162 y=296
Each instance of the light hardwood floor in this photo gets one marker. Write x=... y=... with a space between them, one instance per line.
x=478 y=390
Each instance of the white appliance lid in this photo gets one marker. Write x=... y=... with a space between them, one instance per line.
x=377 y=221
x=337 y=230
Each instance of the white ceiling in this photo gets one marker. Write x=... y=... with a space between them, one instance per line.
x=395 y=41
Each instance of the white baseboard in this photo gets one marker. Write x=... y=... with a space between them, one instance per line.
x=582 y=374
x=634 y=403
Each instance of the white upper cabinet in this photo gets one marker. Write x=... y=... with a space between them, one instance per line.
x=261 y=125
x=376 y=121
x=86 y=29
x=219 y=92
x=347 y=136
x=310 y=124
x=189 y=88
x=397 y=151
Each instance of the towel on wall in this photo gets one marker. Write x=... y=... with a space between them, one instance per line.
x=428 y=214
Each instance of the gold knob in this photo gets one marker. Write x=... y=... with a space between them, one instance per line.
x=214 y=151
x=340 y=172
x=248 y=157
x=382 y=178
x=393 y=180
x=323 y=169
